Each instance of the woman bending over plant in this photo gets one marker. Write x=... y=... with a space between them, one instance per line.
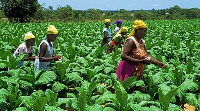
x=45 y=50
x=117 y=40
x=134 y=54
x=26 y=48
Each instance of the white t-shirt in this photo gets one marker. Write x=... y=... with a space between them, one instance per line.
x=116 y=30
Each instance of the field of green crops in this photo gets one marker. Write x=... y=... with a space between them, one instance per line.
x=85 y=79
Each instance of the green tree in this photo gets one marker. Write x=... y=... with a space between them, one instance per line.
x=49 y=14
x=64 y=13
x=79 y=15
x=143 y=15
x=192 y=13
x=94 y=14
x=174 y=10
x=19 y=10
x=40 y=13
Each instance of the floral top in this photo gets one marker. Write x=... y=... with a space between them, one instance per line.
x=22 y=48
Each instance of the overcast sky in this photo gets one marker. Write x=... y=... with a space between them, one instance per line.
x=121 y=4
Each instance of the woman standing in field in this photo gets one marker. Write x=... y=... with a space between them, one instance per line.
x=117 y=40
x=106 y=32
x=134 y=54
x=46 y=50
x=118 y=26
x=26 y=48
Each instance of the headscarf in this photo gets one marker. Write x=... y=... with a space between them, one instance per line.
x=28 y=36
x=136 y=25
x=118 y=22
x=106 y=20
x=52 y=30
x=123 y=29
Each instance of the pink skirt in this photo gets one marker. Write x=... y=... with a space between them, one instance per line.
x=125 y=69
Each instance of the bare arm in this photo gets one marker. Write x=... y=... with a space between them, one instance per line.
x=43 y=49
x=30 y=57
x=129 y=46
x=106 y=35
x=156 y=62
x=120 y=41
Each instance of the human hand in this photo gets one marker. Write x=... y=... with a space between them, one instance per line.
x=145 y=61
x=58 y=57
x=162 y=65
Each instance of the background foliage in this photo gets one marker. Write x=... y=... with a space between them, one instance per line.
x=31 y=10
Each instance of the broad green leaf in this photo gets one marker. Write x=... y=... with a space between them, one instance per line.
x=121 y=95
x=149 y=103
x=61 y=68
x=4 y=94
x=51 y=97
x=38 y=93
x=138 y=97
x=164 y=99
x=27 y=101
x=25 y=84
x=108 y=109
x=95 y=107
x=105 y=97
x=57 y=87
x=192 y=99
x=82 y=99
x=53 y=108
x=21 y=109
x=46 y=77
x=73 y=77
x=39 y=104
x=27 y=77
x=92 y=86
x=129 y=82
x=3 y=65
x=173 y=107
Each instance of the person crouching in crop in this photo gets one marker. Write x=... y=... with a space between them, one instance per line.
x=45 y=50
x=26 y=48
x=117 y=39
x=107 y=33
x=134 y=54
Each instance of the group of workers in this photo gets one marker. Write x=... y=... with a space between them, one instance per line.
x=134 y=54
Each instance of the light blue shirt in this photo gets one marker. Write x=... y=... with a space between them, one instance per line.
x=108 y=30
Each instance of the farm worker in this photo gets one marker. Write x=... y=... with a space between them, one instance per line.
x=134 y=54
x=26 y=48
x=118 y=26
x=106 y=32
x=117 y=39
x=45 y=50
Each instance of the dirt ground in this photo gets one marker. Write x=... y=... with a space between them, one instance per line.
x=189 y=107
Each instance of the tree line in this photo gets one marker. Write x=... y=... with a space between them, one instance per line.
x=31 y=10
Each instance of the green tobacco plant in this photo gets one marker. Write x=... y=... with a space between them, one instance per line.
x=164 y=99
x=91 y=73
x=61 y=70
